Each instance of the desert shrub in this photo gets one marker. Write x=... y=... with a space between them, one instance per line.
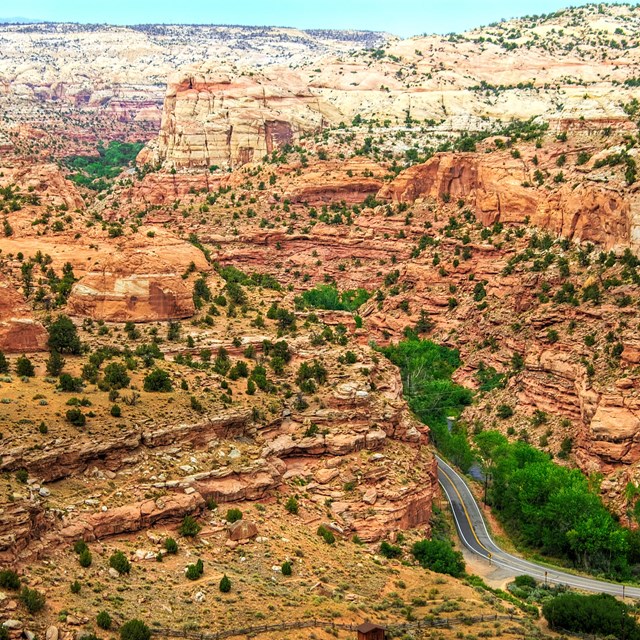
x=233 y=515
x=32 y=599
x=85 y=558
x=9 y=580
x=76 y=587
x=120 y=562
x=116 y=376
x=292 y=505
x=135 y=630
x=326 y=534
x=189 y=527
x=171 y=545
x=287 y=569
x=103 y=620
x=76 y=417
x=389 y=550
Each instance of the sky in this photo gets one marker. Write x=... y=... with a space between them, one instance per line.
x=400 y=17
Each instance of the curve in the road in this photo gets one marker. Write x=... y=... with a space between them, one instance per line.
x=474 y=535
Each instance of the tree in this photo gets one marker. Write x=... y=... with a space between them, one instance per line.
x=286 y=568
x=120 y=563
x=24 y=367
x=55 y=364
x=158 y=380
x=189 y=527
x=225 y=584
x=135 y=630
x=439 y=556
x=70 y=384
x=116 y=376
x=63 y=336
x=4 y=363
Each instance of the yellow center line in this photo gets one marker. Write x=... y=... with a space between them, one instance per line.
x=466 y=513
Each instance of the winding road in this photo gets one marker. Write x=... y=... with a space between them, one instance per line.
x=475 y=537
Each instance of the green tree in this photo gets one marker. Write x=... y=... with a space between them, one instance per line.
x=103 y=620
x=24 y=367
x=63 y=336
x=55 y=364
x=225 y=584
x=4 y=363
x=32 y=599
x=189 y=527
x=116 y=376
x=439 y=556
x=158 y=380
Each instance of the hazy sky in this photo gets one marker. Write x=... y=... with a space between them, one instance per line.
x=402 y=17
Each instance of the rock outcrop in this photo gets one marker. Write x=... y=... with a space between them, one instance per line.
x=20 y=332
x=501 y=189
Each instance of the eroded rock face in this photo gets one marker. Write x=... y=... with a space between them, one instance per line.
x=211 y=118
x=495 y=185
x=20 y=332
x=138 y=287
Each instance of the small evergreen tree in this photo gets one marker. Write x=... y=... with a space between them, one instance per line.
x=63 y=336
x=55 y=364
x=135 y=630
x=103 y=619
x=189 y=527
x=286 y=568
x=225 y=584
x=24 y=367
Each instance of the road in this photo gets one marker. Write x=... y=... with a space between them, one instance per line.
x=475 y=537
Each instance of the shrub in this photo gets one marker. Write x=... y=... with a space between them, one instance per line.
x=116 y=376
x=225 y=584
x=103 y=619
x=326 y=534
x=287 y=569
x=194 y=571
x=439 y=556
x=189 y=527
x=76 y=417
x=233 y=515
x=120 y=563
x=9 y=580
x=171 y=545
x=63 y=336
x=525 y=581
x=292 y=505
x=389 y=550
x=79 y=546
x=158 y=380
x=24 y=367
x=135 y=630
x=75 y=587
x=85 y=558
x=504 y=411
x=116 y=412
x=69 y=384
x=32 y=599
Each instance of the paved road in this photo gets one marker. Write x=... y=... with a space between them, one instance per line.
x=475 y=537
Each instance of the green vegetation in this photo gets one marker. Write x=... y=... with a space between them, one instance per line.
x=32 y=599
x=426 y=370
x=195 y=571
x=552 y=508
x=233 y=515
x=158 y=380
x=326 y=534
x=326 y=296
x=439 y=556
x=189 y=527
x=135 y=630
x=120 y=563
x=103 y=620
x=292 y=505
x=63 y=336
x=9 y=580
x=95 y=172
x=597 y=614
x=171 y=546
x=225 y=584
